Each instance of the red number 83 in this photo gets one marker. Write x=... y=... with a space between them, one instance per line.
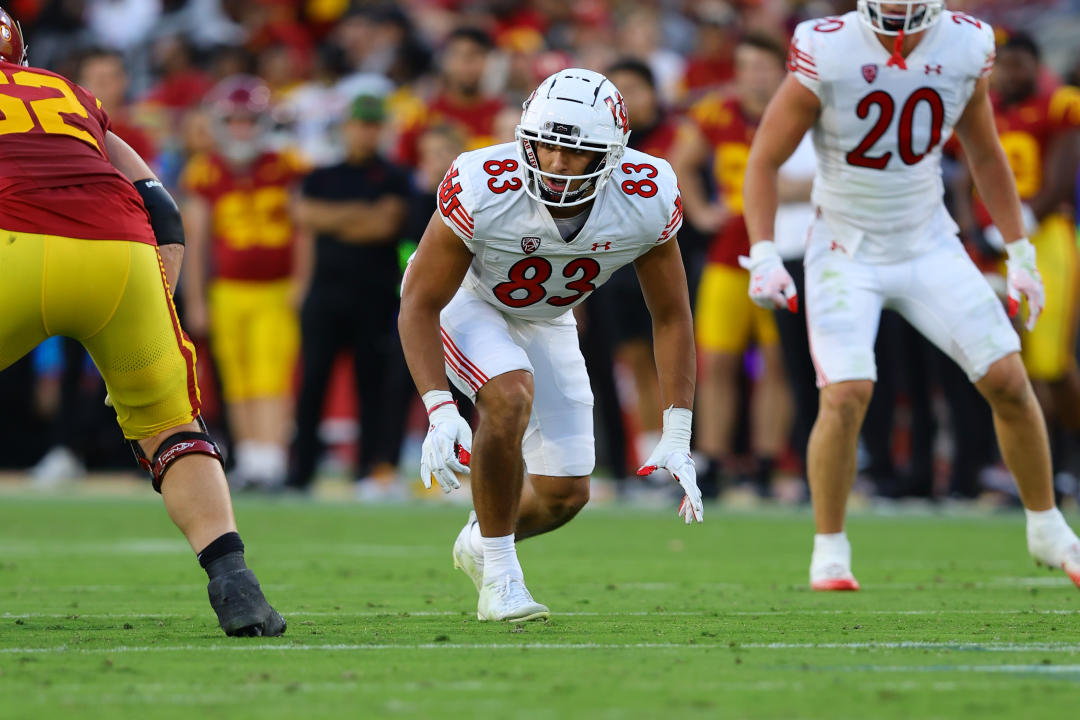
x=496 y=168
x=644 y=187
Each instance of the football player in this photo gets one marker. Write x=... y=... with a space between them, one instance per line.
x=92 y=247
x=237 y=210
x=718 y=136
x=883 y=87
x=1040 y=132
x=523 y=232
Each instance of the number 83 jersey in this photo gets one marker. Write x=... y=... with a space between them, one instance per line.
x=521 y=264
x=882 y=124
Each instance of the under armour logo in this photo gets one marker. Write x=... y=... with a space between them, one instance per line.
x=933 y=69
x=597 y=246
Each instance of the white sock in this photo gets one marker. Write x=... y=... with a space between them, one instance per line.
x=247 y=459
x=500 y=558
x=273 y=463
x=1046 y=521
x=832 y=544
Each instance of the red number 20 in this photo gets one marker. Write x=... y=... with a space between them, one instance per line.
x=906 y=143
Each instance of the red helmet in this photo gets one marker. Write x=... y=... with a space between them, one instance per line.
x=239 y=95
x=12 y=46
x=235 y=98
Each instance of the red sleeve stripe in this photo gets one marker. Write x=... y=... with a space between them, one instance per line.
x=801 y=61
x=465 y=229
x=803 y=57
x=676 y=222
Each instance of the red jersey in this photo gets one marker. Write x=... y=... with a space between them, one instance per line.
x=729 y=132
x=57 y=178
x=476 y=122
x=136 y=137
x=251 y=230
x=656 y=140
x=1028 y=129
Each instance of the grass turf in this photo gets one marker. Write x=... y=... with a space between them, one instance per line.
x=103 y=614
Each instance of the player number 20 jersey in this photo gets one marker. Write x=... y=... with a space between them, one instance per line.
x=521 y=263
x=882 y=127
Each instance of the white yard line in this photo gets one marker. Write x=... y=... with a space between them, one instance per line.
x=259 y=647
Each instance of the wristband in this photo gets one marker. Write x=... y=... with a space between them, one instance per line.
x=763 y=249
x=677 y=424
x=435 y=399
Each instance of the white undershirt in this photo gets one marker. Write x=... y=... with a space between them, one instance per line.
x=569 y=226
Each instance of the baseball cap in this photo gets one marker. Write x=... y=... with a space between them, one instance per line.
x=367 y=108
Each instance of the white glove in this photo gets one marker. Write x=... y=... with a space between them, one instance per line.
x=771 y=285
x=994 y=238
x=1022 y=279
x=673 y=454
x=448 y=444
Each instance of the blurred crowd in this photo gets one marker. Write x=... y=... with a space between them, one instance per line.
x=305 y=141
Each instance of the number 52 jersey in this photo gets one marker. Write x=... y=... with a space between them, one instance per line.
x=882 y=126
x=521 y=263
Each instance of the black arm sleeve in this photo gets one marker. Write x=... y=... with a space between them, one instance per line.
x=164 y=214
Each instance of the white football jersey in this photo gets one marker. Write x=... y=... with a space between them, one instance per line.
x=521 y=263
x=881 y=129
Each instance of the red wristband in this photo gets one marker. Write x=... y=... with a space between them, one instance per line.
x=444 y=402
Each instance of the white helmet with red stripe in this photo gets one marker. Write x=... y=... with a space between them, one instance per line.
x=900 y=17
x=579 y=109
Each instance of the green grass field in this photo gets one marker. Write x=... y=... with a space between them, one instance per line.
x=103 y=614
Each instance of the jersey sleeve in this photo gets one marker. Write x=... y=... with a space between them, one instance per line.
x=197 y=176
x=455 y=201
x=1064 y=110
x=802 y=60
x=93 y=107
x=978 y=35
x=671 y=200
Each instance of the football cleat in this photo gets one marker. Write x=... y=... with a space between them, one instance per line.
x=466 y=559
x=1056 y=550
x=508 y=599
x=830 y=565
x=833 y=576
x=241 y=607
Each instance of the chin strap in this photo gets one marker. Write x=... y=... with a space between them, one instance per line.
x=897 y=59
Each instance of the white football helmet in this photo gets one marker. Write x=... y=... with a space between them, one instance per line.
x=917 y=16
x=573 y=108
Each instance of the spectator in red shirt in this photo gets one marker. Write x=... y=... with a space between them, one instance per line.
x=460 y=101
x=182 y=85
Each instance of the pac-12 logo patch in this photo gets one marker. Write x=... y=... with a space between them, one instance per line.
x=869 y=72
x=529 y=244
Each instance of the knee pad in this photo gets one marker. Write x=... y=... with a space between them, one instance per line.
x=173 y=448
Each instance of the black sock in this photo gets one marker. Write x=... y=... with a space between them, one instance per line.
x=223 y=555
x=763 y=476
x=709 y=480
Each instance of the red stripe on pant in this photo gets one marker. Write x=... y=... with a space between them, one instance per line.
x=189 y=357
x=450 y=345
